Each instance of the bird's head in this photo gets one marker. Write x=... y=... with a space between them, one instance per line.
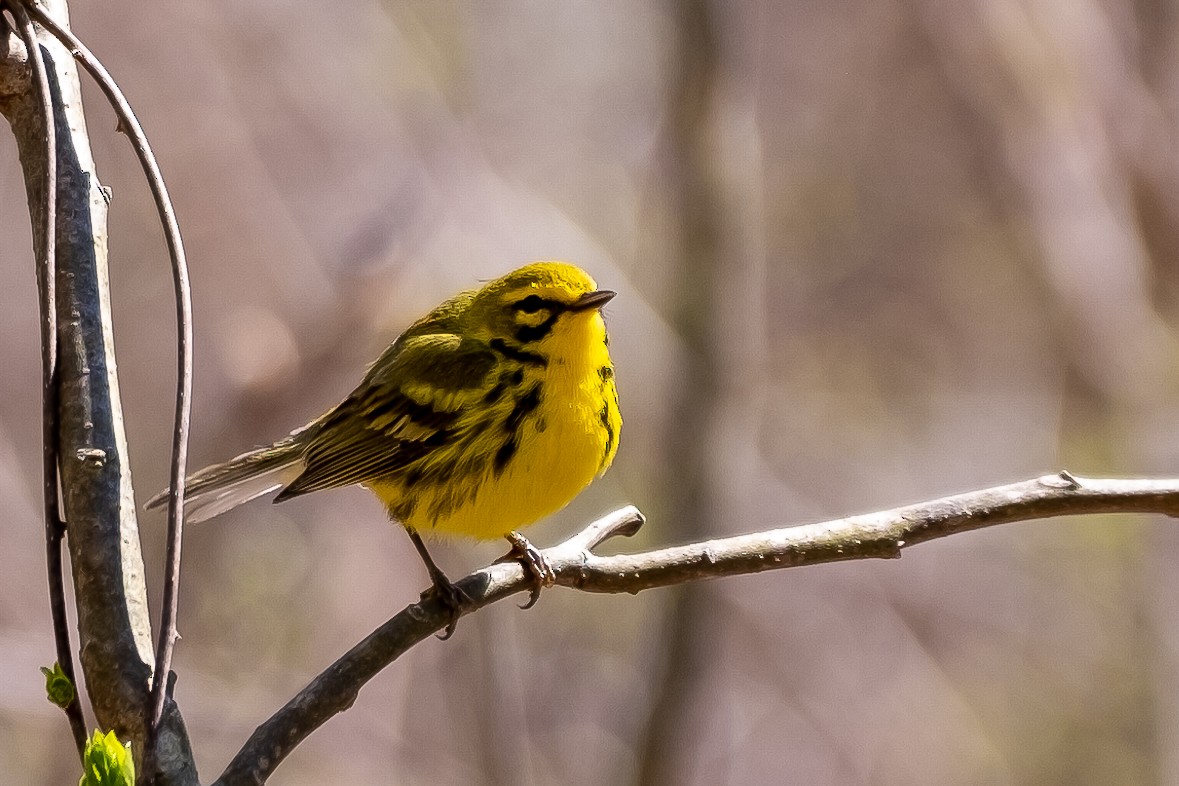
x=546 y=308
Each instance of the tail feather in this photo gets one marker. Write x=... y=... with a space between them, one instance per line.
x=216 y=489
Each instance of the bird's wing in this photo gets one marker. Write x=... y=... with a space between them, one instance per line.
x=410 y=403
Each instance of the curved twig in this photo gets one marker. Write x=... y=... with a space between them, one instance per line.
x=874 y=535
x=47 y=278
x=130 y=125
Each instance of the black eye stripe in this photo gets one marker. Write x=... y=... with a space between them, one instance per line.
x=534 y=303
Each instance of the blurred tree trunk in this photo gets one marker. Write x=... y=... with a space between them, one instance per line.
x=689 y=161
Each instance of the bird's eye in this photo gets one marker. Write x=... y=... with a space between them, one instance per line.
x=530 y=304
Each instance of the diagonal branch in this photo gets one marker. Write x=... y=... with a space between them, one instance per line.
x=873 y=535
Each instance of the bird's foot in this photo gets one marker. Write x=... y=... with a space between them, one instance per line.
x=451 y=596
x=535 y=565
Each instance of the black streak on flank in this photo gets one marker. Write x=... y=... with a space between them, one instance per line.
x=497 y=392
x=525 y=405
x=605 y=417
x=515 y=353
x=504 y=454
x=606 y=373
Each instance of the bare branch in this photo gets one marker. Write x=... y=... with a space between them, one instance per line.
x=873 y=535
x=129 y=124
x=45 y=247
x=99 y=507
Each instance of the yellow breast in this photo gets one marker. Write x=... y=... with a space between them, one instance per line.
x=530 y=455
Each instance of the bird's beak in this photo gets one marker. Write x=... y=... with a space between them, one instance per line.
x=593 y=300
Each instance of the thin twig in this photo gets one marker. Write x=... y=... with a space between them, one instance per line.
x=130 y=125
x=47 y=277
x=875 y=535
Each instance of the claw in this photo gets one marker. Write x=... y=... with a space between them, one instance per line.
x=534 y=563
x=451 y=596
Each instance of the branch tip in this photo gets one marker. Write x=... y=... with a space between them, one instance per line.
x=624 y=522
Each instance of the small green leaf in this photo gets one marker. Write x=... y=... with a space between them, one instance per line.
x=107 y=762
x=58 y=687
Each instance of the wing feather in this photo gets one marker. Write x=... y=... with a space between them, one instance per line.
x=412 y=401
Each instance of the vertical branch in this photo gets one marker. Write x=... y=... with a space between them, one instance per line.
x=111 y=597
x=47 y=284
x=130 y=126
x=96 y=491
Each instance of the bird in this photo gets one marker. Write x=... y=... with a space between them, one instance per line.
x=489 y=413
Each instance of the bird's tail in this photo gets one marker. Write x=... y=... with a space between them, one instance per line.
x=214 y=490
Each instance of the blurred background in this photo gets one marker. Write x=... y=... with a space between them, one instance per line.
x=868 y=254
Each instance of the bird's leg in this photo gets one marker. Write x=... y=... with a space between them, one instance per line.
x=446 y=591
x=535 y=565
